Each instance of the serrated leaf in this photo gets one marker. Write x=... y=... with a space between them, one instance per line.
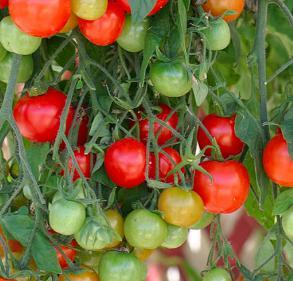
x=283 y=202
x=200 y=91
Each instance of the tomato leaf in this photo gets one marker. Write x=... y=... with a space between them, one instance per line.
x=200 y=91
x=283 y=202
x=141 y=8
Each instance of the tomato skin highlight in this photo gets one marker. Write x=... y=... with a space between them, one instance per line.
x=125 y=162
x=223 y=130
x=277 y=161
x=218 y=8
x=48 y=108
x=228 y=190
x=41 y=18
x=165 y=165
x=69 y=252
x=106 y=29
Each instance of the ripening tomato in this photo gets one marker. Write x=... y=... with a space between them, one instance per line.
x=71 y=24
x=3 y=4
x=14 y=245
x=218 y=8
x=277 y=161
x=228 y=189
x=143 y=254
x=47 y=108
x=41 y=18
x=159 y=5
x=69 y=252
x=180 y=207
x=223 y=130
x=87 y=275
x=167 y=163
x=217 y=274
x=162 y=133
x=106 y=29
x=90 y=9
x=125 y=162
x=117 y=223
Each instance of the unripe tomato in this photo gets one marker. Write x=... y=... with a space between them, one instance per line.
x=117 y=223
x=158 y=6
x=218 y=8
x=125 y=162
x=48 y=108
x=90 y=259
x=121 y=266
x=166 y=165
x=90 y=9
x=41 y=18
x=143 y=254
x=228 y=189
x=132 y=38
x=66 y=217
x=87 y=275
x=176 y=237
x=217 y=274
x=3 y=52
x=205 y=220
x=287 y=222
x=170 y=79
x=71 y=24
x=145 y=230
x=3 y=4
x=180 y=207
x=106 y=29
x=16 y=41
x=25 y=69
x=217 y=35
x=69 y=252
x=164 y=133
x=277 y=161
x=223 y=130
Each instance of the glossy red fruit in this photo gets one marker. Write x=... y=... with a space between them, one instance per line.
x=228 y=189
x=69 y=252
x=125 y=162
x=106 y=29
x=277 y=161
x=3 y=4
x=164 y=133
x=166 y=164
x=159 y=5
x=38 y=118
x=223 y=130
x=41 y=18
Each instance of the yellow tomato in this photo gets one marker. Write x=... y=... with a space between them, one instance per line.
x=89 y=9
x=71 y=24
x=117 y=223
x=143 y=254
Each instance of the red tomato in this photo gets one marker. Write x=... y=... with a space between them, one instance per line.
x=84 y=163
x=3 y=279
x=223 y=130
x=228 y=189
x=165 y=165
x=165 y=133
x=106 y=29
x=69 y=252
x=3 y=4
x=38 y=118
x=41 y=18
x=159 y=5
x=277 y=161
x=125 y=162
x=218 y=8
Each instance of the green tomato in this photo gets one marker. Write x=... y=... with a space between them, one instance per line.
x=171 y=79
x=217 y=35
x=27 y=192
x=66 y=217
x=3 y=52
x=120 y=266
x=145 y=230
x=176 y=237
x=287 y=222
x=25 y=69
x=217 y=274
x=205 y=220
x=16 y=41
x=132 y=38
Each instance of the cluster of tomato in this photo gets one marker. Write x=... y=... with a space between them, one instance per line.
x=220 y=186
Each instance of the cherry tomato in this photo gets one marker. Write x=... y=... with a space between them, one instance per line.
x=164 y=133
x=105 y=30
x=277 y=161
x=121 y=266
x=218 y=8
x=3 y=4
x=166 y=164
x=66 y=217
x=25 y=69
x=117 y=223
x=217 y=274
x=217 y=35
x=223 y=130
x=87 y=275
x=69 y=252
x=3 y=279
x=158 y=6
x=71 y=24
x=176 y=237
x=14 y=245
x=90 y=259
x=144 y=229
x=90 y=9
x=205 y=220
x=125 y=162
x=287 y=222
x=143 y=254
x=170 y=79
x=47 y=107
x=132 y=38
x=228 y=189
x=41 y=18
x=180 y=207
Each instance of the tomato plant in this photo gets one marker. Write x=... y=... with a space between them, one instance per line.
x=89 y=10
x=3 y=52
